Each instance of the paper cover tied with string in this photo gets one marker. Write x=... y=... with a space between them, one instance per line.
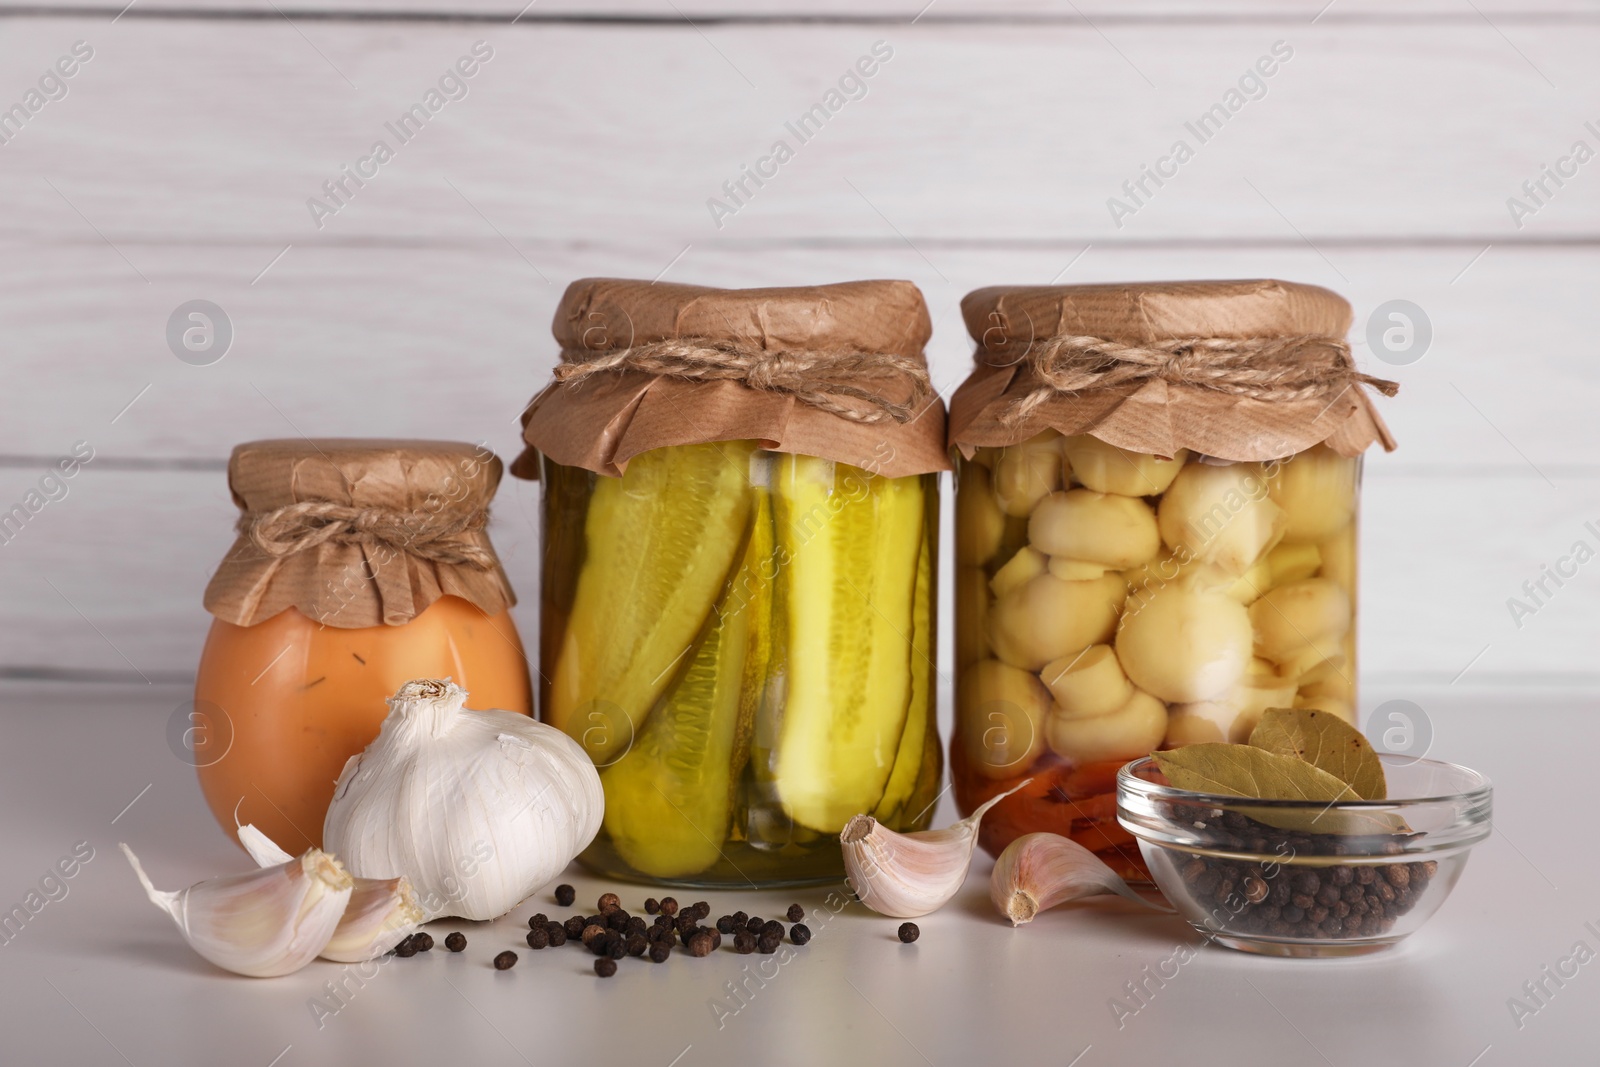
x=358 y=533
x=834 y=371
x=1238 y=370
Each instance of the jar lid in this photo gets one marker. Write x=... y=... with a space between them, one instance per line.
x=1288 y=383
x=357 y=533
x=835 y=371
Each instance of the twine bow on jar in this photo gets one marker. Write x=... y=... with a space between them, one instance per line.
x=427 y=535
x=820 y=378
x=1261 y=368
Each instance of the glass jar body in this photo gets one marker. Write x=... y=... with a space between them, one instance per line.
x=282 y=705
x=1109 y=603
x=743 y=641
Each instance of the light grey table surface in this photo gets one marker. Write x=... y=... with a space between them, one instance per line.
x=99 y=976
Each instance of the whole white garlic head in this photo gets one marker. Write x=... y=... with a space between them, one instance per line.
x=477 y=808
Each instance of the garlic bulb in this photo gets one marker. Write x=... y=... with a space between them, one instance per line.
x=262 y=924
x=1039 y=871
x=382 y=911
x=477 y=808
x=907 y=875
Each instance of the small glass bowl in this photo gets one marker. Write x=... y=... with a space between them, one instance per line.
x=1266 y=876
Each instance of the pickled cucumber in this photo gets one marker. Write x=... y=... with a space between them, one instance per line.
x=849 y=542
x=670 y=799
x=661 y=542
x=908 y=758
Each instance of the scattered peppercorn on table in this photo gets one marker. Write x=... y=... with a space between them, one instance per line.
x=90 y=973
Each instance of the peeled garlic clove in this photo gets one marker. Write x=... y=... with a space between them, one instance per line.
x=382 y=911
x=908 y=875
x=1046 y=618
x=1002 y=718
x=265 y=923
x=1088 y=684
x=1184 y=645
x=1109 y=469
x=1300 y=624
x=1317 y=491
x=1026 y=472
x=980 y=524
x=1220 y=514
x=1117 y=531
x=1131 y=730
x=1025 y=566
x=1038 y=871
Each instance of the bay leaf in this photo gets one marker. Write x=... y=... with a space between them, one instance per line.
x=1255 y=773
x=1247 y=771
x=1325 y=741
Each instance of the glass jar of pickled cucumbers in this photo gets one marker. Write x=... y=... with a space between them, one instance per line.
x=1116 y=598
x=741 y=636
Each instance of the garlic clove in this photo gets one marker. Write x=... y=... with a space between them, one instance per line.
x=908 y=875
x=265 y=923
x=382 y=911
x=1039 y=871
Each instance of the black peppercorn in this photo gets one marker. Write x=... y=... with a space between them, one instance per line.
x=773 y=927
x=636 y=925
x=539 y=938
x=637 y=945
x=593 y=933
x=558 y=935
x=744 y=942
x=565 y=895
x=700 y=944
x=725 y=924
x=617 y=919
x=616 y=946
x=799 y=933
x=456 y=941
x=538 y=919
x=704 y=908
x=652 y=905
x=423 y=941
x=669 y=906
x=505 y=961
x=659 y=952
x=574 y=926
x=766 y=944
x=406 y=948
x=608 y=902
x=754 y=924
x=605 y=968
x=909 y=932
x=740 y=918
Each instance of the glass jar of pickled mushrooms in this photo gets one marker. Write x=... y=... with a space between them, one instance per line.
x=1155 y=535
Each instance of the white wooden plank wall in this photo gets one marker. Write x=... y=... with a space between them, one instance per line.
x=178 y=165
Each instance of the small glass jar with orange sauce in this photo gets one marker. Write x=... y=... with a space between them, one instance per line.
x=360 y=565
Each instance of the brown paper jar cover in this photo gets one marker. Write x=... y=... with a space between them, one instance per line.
x=1155 y=416
x=356 y=585
x=601 y=423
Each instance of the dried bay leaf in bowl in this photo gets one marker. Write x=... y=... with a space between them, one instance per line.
x=1326 y=742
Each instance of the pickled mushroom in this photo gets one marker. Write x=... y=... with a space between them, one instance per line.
x=1317 y=491
x=1088 y=684
x=1025 y=473
x=1002 y=718
x=980 y=524
x=1131 y=730
x=1081 y=524
x=1047 y=618
x=1301 y=625
x=1025 y=566
x=1109 y=469
x=1221 y=514
x=1185 y=644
